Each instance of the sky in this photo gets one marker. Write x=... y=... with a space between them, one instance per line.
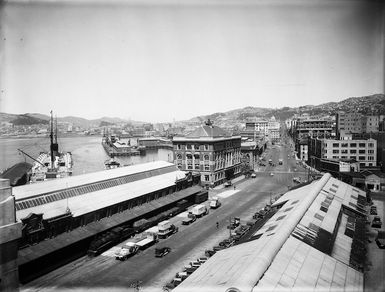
x=166 y=60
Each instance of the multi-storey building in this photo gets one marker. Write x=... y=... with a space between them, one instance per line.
x=380 y=138
x=302 y=146
x=274 y=135
x=261 y=126
x=356 y=123
x=313 y=128
x=307 y=128
x=370 y=124
x=211 y=151
x=362 y=151
x=268 y=128
x=348 y=123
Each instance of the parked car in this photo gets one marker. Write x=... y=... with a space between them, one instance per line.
x=272 y=174
x=202 y=260
x=296 y=180
x=162 y=251
x=209 y=252
x=376 y=223
x=228 y=184
x=253 y=175
x=373 y=210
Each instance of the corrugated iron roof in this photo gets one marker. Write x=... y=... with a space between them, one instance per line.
x=279 y=259
x=25 y=191
x=96 y=200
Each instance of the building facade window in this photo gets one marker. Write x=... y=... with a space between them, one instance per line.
x=371 y=145
x=352 y=151
x=188 y=146
x=361 y=157
x=361 y=151
x=361 y=144
x=336 y=151
x=206 y=157
x=335 y=145
x=207 y=178
x=353 y=144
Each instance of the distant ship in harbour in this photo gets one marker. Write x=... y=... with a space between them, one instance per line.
x=53 y=164
x=111 y=164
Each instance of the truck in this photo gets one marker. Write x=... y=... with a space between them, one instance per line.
x=147 y=241
x=190 y=218
x=201 y=197
x=166 y=229
x=200 y=210
x=215 y=203
x=128 y=250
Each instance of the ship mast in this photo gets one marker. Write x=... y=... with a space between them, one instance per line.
x=51 y=145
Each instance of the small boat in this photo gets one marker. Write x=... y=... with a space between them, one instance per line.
x=111 y=164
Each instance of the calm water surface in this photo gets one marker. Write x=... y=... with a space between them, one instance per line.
x=87 y=152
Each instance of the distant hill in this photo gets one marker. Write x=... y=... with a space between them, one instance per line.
x=27 y=120
x=36 y=118
x=372 y=104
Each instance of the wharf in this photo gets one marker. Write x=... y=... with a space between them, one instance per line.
x=131 y=151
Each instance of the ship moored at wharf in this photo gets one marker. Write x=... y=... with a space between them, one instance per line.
x=61 y=219
x=53 y=164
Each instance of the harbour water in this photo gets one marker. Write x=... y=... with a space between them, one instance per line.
x=87 y=152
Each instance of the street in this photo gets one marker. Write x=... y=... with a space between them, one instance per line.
x=189 y=243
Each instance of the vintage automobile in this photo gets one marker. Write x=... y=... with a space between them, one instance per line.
x=162 y=251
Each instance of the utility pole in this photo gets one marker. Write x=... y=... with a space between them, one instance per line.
x=230 y=226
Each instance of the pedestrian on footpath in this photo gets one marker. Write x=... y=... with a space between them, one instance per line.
x=217 y=225
x=234 y=187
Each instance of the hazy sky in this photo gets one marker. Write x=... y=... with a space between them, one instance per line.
x=160 y=60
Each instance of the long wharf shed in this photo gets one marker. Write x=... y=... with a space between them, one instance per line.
x=314 y=242
x=61 y=217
